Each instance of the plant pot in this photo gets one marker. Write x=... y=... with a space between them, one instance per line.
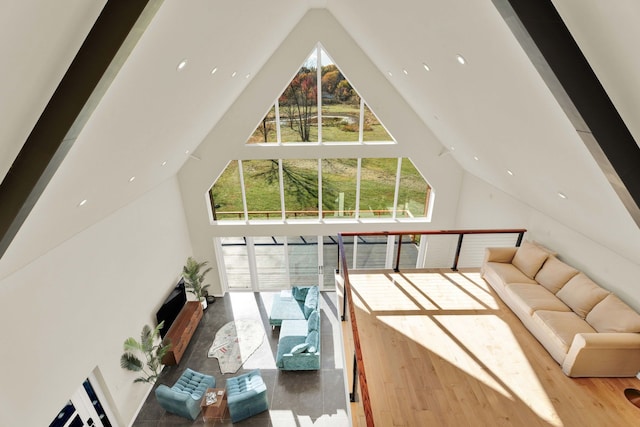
x=203 y=301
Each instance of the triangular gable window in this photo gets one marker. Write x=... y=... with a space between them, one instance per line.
x=340 y=115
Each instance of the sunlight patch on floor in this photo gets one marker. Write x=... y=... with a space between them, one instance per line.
x=382 y=295
x=244 y=306
x=490 y=353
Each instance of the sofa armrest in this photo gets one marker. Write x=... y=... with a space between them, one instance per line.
x=611 y=354
x=301 y=362
x=501 y=254
x=498 y=254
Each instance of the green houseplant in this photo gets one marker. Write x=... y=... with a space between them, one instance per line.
x=193 y=275
x=145 y=356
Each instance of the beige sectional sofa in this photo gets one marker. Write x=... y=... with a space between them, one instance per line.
x=588 y=330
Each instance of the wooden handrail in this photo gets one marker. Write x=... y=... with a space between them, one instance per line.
x=364 y=389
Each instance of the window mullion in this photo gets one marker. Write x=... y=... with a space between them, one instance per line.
x=281 y=180
x=278 y=134
x=319 y=90
x=397 y=190
x=358 y=174
x=243 y=191
x=320 y=214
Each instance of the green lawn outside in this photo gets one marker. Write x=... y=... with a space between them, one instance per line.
x=377 y=187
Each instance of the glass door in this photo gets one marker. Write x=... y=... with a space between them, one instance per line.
x=83 y=409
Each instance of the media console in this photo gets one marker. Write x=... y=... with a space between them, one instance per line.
x=181 y=331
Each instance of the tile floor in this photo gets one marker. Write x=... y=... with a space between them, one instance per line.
x=296 y=398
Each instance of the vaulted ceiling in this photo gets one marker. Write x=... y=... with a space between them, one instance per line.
x=496 y=108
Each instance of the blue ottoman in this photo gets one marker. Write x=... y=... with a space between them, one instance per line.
x=246 y=395
x=186 y=394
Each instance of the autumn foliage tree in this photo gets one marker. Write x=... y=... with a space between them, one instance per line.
x=300 y=102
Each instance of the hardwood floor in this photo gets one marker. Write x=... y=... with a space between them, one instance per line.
x=441 y=349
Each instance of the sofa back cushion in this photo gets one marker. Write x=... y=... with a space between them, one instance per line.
x=554 y=274
x=311 y=301
x=313 y=339
x=613 y=315
x=529 y=258
x=313 y=323
x=581 y=294
x=300 y=292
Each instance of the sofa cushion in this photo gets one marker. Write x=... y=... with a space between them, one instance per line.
x=581 y=294
x=300 y=292
x=554 y=274
x=557 y=330
x=530 y=298
x=313 y=339
x=300 y=348
x=313 y=324
x=529 y=258
x=613 y=315
x=508 y=273
x=311 y=301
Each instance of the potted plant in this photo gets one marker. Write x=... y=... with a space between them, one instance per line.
x=152 y=350
x=194 y=278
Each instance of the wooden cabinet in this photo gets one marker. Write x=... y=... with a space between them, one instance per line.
x=181 y=331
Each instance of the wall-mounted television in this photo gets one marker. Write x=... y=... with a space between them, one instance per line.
x=171 y=306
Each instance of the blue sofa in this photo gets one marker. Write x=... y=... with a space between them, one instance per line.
x=184 y=397
x=296 y=306
x=299 y=344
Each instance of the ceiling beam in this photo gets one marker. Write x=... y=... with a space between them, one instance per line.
x=101 y=56
x=545 y=38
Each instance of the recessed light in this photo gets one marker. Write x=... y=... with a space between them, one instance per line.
x=426 y=67
x=164 y=163
x=83 y=202
x=182 y=64
x=562 y=195
x=133 y=178
x=214 y=70
x=186 y=152
x=475 y=158
x=461 y=59
x=247 y=76
x=406 y=73
x=509 y=172
x=390 y=73
x=234 y=74
x=453 y=148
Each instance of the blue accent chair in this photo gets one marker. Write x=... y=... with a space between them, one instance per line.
x=246 y=396
x=186 y=394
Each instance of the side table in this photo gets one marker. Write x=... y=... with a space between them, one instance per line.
x=215 y=411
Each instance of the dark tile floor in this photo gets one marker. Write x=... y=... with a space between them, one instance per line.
x=296 y=398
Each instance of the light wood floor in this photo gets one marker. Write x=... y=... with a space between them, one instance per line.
x=441 y=349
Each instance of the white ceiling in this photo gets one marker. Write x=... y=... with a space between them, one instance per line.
x=496 y=107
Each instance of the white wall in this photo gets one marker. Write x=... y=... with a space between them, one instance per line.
x=70 y=310
x=484 y=206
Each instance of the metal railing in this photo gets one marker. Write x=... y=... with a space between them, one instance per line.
x=359 y=375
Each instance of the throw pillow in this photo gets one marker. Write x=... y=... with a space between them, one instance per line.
x=529 y=258
x=554 y=274
x=613 y=315
x=300 y=348
x=581 y=294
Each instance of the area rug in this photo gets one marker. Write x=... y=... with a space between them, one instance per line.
x=235 y=342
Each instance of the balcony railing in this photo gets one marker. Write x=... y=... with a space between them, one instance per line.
x=359 y=376
x=375 y=213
